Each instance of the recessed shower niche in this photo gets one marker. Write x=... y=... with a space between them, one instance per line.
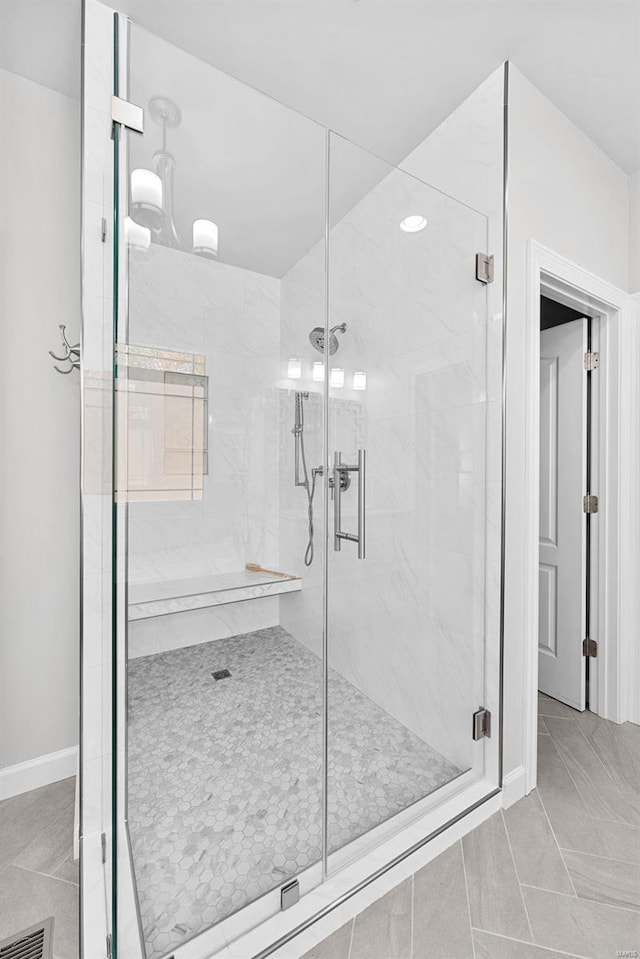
x=303 y=398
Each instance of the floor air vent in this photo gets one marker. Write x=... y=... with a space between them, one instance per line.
x=33 y=943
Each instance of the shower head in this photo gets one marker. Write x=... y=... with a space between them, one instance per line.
x=316 y=338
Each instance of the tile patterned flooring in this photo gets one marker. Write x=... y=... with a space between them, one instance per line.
x=555 y=876
x=38 y=875
x=225 y=776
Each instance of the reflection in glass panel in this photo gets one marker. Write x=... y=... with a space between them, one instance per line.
x=234 y=375
x=226 y=193
x=407 y=436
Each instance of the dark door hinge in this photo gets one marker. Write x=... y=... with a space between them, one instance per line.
x=484 y=268
x=109 y=949
x=103 y=847
x=482 y=724
x=589 y=647
x=590 y=503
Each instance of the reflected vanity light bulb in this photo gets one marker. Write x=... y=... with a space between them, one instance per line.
x=359 y=380
x=413 y=223
x=318 y=372
x=135 y=236
x=146 y=198
x=205 y=238
x=336 y=377
x=294 y=368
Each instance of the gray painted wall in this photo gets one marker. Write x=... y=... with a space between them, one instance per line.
x=39 y=420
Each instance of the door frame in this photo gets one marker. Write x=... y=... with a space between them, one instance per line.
x=616 y=452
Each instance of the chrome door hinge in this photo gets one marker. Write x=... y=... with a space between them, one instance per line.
x=103 y=847
x=589 y=647
x=484 y=268
x=289 y=894
x=482 y=724
x=590 y=503
x=109 y=949
x=127 y=114
x=103 y=229
x=591 y=361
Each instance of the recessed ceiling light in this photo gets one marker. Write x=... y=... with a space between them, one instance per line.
x=413 y=223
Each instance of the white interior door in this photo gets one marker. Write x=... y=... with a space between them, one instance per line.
x=562 y=571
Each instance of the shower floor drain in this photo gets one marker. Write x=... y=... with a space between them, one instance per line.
x=221 y=674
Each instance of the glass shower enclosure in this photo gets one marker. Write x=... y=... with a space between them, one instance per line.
x=304 y=468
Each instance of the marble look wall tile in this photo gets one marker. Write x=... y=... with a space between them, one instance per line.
x=94 y=321
x=232 y=315
x=157 y=322
x=92 y=793
x=190 y=628
x=92 y=684
x=98 y=152
x=494 y=358
x=205 y=600
x=98 y=68
x=142 y=638
x=198 y=281
x=393 y=604
x=94 y=255
x=417 y=322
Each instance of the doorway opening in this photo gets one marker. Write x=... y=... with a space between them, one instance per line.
x=615 y=426
x=568 y=501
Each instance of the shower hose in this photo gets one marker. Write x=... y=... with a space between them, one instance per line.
x=310 y=489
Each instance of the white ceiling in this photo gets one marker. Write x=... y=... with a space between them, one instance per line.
x=382 y=72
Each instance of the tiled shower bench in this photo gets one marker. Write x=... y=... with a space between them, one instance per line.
x=217 y=589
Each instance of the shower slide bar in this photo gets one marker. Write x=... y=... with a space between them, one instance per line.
x=340 y=476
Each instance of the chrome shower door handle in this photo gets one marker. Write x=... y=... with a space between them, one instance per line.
x=340 y=470
x=362 y=516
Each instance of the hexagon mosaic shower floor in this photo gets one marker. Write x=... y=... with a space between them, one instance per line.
x=225 y=775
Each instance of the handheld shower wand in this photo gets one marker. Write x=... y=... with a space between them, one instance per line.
x=327 y=348
x=301 y=461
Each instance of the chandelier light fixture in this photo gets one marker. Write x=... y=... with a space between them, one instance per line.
x=152 y=194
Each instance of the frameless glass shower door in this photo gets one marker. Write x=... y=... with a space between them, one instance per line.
x=300 y=503
x=222 y=194
x=406 y=436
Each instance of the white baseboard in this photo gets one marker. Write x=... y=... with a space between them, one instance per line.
x=38 y=772
x=513 y=786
